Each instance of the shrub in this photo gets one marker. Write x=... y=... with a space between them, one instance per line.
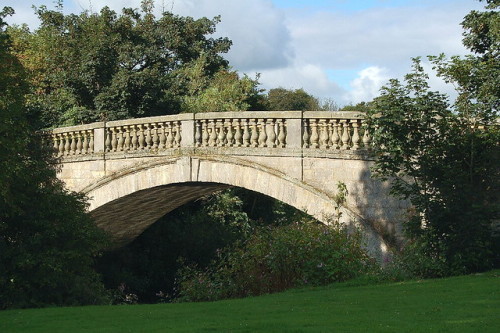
x=278 y=258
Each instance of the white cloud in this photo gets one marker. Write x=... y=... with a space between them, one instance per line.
x=260 y=37
x=311 y=78
x=377 y=36
x=367 y=85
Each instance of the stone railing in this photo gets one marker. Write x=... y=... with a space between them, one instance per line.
x=308 y=131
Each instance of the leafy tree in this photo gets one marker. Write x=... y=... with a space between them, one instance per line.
x=47 y=240
x=96 y=66
x=281 y=99
x=444 y=158
x=329 y=104
x=224 y=91
x=361 y=106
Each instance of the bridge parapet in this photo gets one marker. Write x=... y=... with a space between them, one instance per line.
x=312 y=133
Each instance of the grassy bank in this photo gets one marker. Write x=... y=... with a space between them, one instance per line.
x=458 y=304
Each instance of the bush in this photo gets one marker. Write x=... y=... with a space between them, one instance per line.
x=278 y=258
x=417 y=260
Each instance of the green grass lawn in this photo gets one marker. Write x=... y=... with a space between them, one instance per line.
x=458 y=304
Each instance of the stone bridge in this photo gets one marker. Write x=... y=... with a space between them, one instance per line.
x=134 y=171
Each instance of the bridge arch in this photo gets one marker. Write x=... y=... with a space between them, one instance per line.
x=127 y=201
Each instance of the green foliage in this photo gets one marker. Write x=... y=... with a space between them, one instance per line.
x=274 y=259
x=361 y=106
x=96 y=66
x=47 y=240
x=281 y=99
x=224 y=91
x=419 y=259
x=445 y=159
x=194 y=232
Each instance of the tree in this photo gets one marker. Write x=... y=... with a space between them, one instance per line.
x=97 y=66
x=444 y=158
x=361 y=106
x=224 y=91
x=47 y=240
x=281 y=99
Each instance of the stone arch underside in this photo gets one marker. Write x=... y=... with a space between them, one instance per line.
x=129 y=200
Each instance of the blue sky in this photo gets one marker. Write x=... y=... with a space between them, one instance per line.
x=343 y=50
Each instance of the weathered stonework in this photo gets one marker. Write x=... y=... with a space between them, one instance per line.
x=137 y=170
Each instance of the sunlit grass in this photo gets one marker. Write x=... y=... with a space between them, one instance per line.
x=458 y=304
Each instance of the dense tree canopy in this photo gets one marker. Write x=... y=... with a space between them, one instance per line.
x=47 y=240
x=282 y=99
x=444 y=158
x=97 y=66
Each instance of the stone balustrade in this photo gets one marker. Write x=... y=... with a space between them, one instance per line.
x=308 y=131
x=334 y=131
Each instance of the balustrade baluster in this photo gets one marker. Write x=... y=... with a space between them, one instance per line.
x=330 y=132
x=246 y=134
x=155 y=136
x=119 y=138
x=56 y=144
x=355 y=134
x=67 y=143
x=135 y=137
x=255 y=135
x=281 y=134
x=142 y=138
x=147 y=136
x=126 y=140
x=168 y=135
x=172 y=134
x=345 y=135
x=178 y=136
x=270 y=133
x=107 y=141
x=305 y=135
x=85 y=142
x=73 y=143
x=78 y=143
x=221 y=138
x=335 y=135
x=230 y=134
x=314 y=133
x=163 y=138
x=212 y=140
x=114 y=139
x=261 y=126
x=323 y=137
x=238 y=136
x=61 y=144
x=91 y=141
x=197 y=134
x=205 y=133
